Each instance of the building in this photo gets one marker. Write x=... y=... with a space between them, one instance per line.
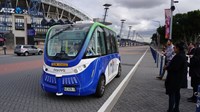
x=29 y=20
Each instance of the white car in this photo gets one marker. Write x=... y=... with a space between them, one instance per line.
x=27 y=49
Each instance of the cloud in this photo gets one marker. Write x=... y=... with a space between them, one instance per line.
x=144 y=4
x=138 y=13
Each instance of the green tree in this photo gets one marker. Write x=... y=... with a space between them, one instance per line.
x=186 y=27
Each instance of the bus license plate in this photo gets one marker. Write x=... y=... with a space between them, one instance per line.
x=69 y=89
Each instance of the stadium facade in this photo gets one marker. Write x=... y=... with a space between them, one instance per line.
x=27 y=21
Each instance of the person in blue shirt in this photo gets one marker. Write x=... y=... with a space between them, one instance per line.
x=169 y=53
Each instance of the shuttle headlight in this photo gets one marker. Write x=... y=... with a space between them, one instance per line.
x=79 y=68
x=75 y=70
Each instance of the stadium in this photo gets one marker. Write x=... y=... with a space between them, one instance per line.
x=27 y=21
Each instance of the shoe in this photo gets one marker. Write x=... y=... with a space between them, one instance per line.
x=176 y=110
x=191 y=98
x=169 y=110
x=160 y=78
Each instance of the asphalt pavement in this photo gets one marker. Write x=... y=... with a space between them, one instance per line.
x=145 y=93
x=20 y=90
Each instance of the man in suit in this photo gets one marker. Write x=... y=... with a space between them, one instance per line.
x=177 y=69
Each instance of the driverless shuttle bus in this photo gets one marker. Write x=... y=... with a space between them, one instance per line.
x=80 y=59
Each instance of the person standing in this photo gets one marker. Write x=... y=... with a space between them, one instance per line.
x=169 y=53
x=195 y=72
x=191 y=51
x=4 y=49
x=177 y=69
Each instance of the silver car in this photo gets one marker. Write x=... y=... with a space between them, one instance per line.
x=27 y=49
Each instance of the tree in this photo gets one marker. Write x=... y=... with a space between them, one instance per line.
x=186 y=27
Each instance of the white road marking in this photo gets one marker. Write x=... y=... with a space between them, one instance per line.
x=112 y=100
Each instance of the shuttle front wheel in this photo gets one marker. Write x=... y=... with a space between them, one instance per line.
x=100 y=87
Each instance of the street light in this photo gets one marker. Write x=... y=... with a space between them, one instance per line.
x=106 y=8
x=129 y=31
x=158 y=35
x=129 y=34
x=122 y=23
x=172 y=7
x=133 y=34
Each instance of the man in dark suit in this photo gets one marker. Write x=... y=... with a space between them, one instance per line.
x=177 y=69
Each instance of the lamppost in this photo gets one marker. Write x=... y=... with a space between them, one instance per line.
x=129 y=31
x=172 y=7
x=122 y=23
x=106 y=8
x=133 y=34
x=129 y=42
x=136 y=38
x=158 y=35
x=158 y=41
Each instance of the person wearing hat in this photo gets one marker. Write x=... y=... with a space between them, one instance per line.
x=177 y=69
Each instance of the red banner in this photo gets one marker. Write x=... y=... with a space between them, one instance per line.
x=167 y=22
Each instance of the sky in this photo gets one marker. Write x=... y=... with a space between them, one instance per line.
x=143 y=15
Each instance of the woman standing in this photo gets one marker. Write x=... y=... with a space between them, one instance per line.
x=177 y=69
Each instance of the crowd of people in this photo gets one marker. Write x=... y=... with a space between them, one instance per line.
x=176 y=64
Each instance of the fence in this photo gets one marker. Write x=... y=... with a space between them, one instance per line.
x=160 y=61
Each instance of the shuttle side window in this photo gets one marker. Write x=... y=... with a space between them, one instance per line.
x=96 y=45
x=101 y=40
x=114 y=43
x=108 y=43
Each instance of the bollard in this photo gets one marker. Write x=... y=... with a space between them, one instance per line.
x=154 y=54
x=161 y=65
x=157 y=58
x=198 y=100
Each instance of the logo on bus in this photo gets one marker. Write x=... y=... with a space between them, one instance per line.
x=59 y=70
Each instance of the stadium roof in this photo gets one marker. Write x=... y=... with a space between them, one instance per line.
x=52 y=9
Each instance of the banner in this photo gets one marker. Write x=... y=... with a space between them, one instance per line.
x=167 y=22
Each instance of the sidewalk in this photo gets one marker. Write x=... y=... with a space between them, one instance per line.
x=8 y=51
x=145 y=93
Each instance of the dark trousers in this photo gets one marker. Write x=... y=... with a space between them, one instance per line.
x=195 y=83
x=174 y=99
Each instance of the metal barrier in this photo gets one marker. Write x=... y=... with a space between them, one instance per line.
x=154 y=54
x=162 y=65
x=160 y=61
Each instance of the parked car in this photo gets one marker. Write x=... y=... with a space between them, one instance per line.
x=27 y=50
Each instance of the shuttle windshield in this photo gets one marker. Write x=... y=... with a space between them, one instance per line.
x=65 y=42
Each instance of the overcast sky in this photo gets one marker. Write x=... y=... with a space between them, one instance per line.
x=140 y=14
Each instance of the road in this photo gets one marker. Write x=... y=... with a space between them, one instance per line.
x=20 y=89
